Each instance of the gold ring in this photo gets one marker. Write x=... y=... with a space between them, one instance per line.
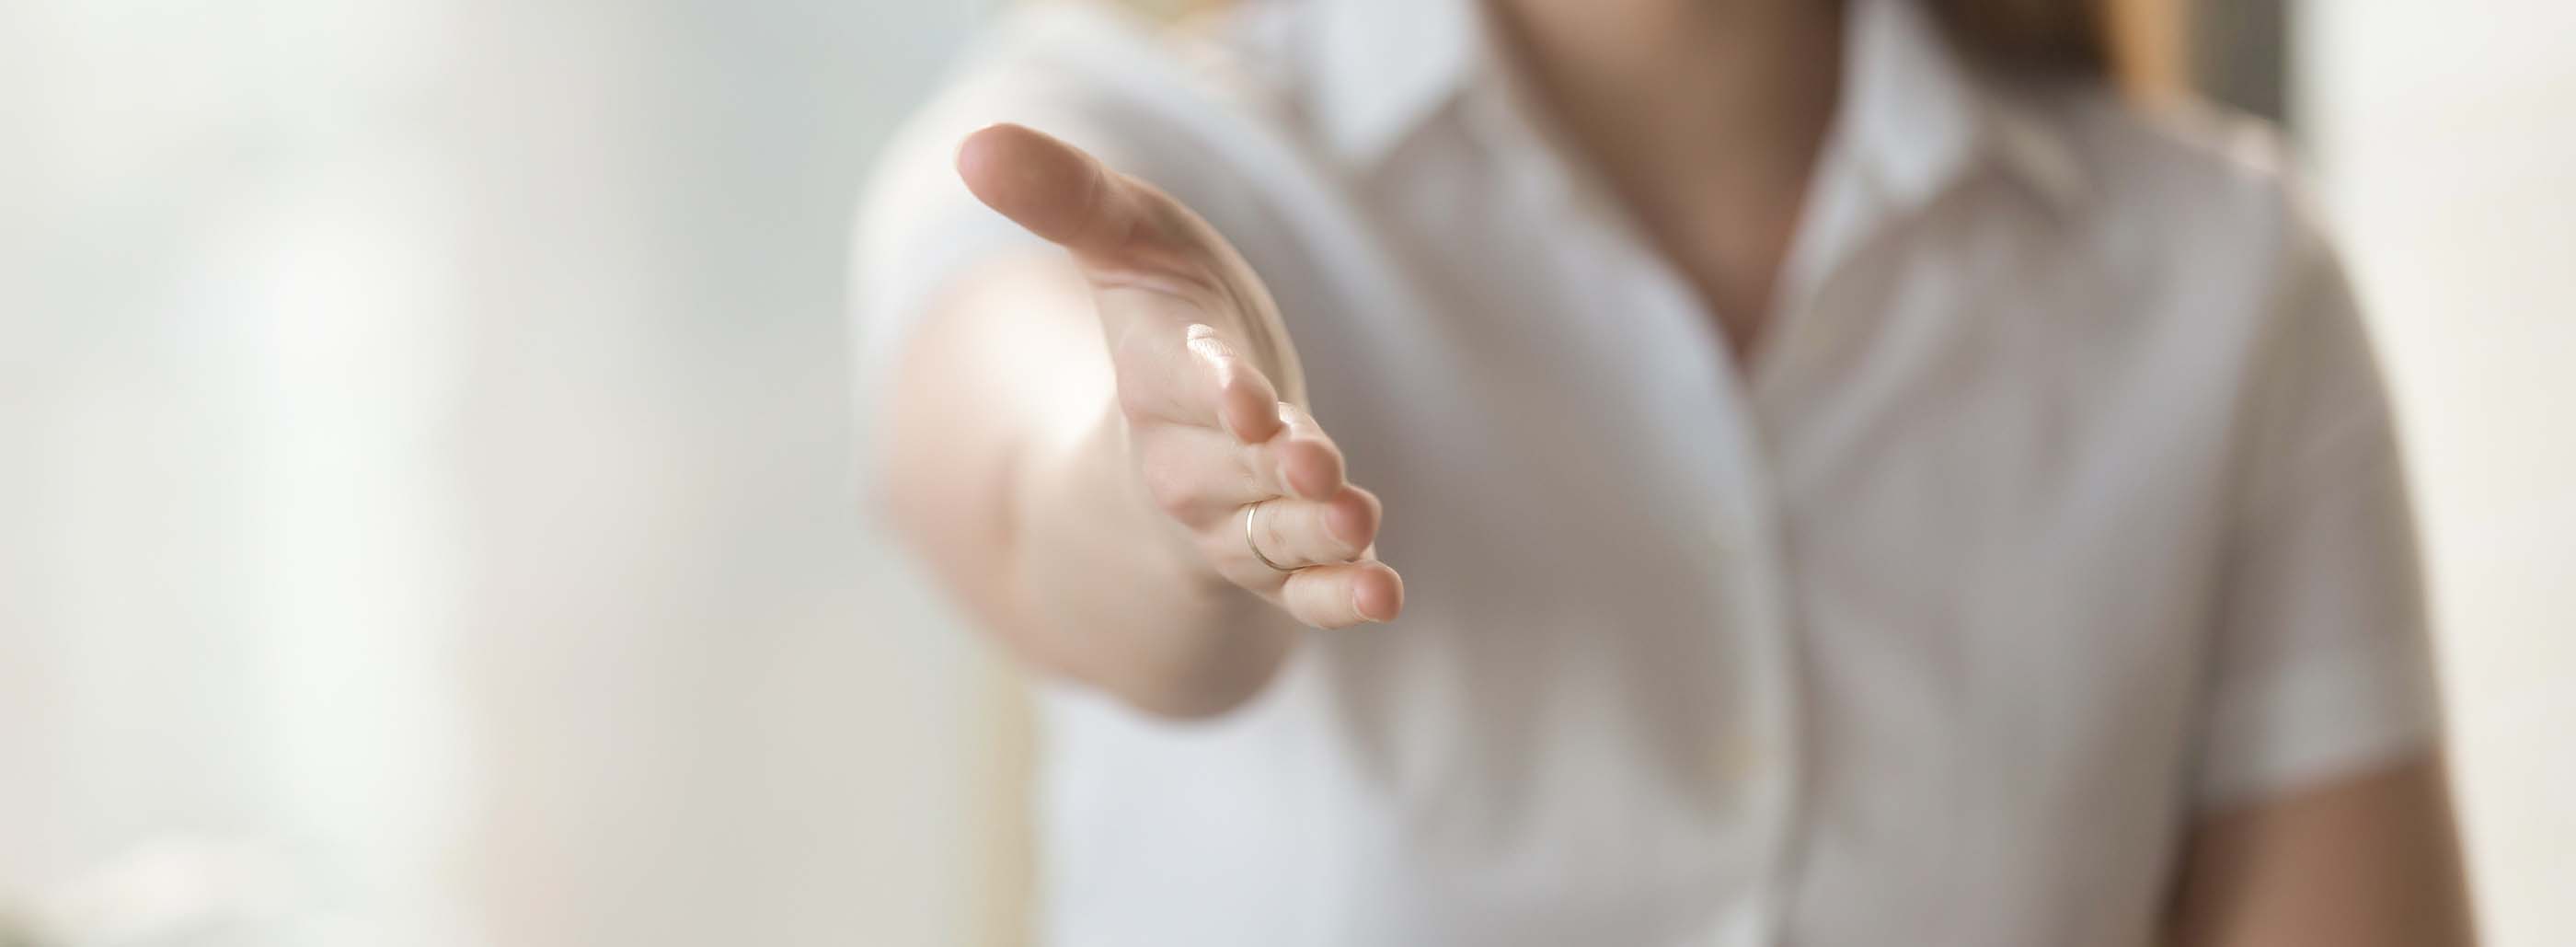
x=1248 y=509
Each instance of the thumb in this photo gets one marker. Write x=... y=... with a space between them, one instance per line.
x=1055 y=190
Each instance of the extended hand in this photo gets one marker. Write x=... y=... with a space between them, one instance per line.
x=1208 y=383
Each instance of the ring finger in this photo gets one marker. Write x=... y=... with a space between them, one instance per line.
x=1276 y=537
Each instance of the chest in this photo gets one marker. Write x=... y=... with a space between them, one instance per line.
x=1961 y=429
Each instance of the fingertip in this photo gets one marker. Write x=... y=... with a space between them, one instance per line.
x=1378 y=594
x=1032 y=178
x=1246 y=403
x=984 y=154
x=1311 y=470
x=975 y=151
x=1352 y=518
x=1248 y=398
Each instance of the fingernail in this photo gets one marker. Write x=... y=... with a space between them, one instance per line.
x=1360 y=607
x=1386 y=609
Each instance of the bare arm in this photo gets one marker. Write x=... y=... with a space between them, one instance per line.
x=2371 y=860
x=1089 y=502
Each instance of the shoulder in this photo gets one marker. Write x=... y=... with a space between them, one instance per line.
x=2199 y=220
x=2189 y=183
x=2190 y=143
x=2188 y=217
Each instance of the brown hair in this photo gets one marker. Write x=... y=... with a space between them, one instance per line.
x=2044 y=35
x=2135 y=43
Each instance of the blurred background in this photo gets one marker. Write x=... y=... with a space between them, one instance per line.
x=426 y=505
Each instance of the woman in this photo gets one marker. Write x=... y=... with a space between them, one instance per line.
x=1856 y=481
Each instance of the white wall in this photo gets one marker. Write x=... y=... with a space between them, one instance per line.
x=425 y=512
x=2445 y=134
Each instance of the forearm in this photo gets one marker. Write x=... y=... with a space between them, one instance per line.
x=1111 y=592
x=2371 y=859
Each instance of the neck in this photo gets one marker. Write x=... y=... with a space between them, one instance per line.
x=1706 y=116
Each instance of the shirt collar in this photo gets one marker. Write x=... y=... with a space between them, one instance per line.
x=1919 y=117
x=1914 y=115
x=1383 y=66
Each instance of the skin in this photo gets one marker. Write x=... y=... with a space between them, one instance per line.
x=1705 y=117
x=2370 y=860
x=1078 y=437
x=1089 y=433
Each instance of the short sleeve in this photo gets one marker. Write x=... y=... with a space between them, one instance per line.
x=2321 y=666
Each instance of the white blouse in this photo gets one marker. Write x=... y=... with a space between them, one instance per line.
x=2058 y=507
